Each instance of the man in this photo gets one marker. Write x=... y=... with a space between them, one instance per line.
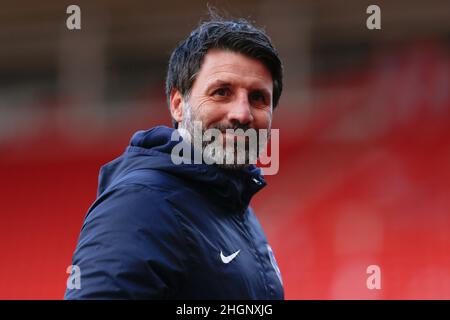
x=160 y=230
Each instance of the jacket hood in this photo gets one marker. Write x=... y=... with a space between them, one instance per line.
x=151 y=150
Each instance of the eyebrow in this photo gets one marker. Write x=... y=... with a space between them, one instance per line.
x=218 y=83
x=225 y=83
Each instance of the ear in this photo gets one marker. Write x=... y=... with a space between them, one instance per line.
x=176 y=105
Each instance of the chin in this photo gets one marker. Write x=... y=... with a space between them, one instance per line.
x=233 y=166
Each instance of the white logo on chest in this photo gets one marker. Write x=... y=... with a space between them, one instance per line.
x=227 y=259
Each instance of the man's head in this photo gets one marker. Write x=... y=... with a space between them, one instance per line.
x=227 y=75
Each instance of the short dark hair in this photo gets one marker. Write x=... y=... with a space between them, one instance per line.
x=235 y=35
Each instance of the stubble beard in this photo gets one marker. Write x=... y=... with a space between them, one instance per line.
x=209 y=153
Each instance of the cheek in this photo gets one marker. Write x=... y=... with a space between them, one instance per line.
x=210 y=114
x=262 y=119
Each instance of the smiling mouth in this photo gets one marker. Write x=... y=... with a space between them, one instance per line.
x=235 y=137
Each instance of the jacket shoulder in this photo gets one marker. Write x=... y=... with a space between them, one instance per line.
x=153 y=179
x=131 y=246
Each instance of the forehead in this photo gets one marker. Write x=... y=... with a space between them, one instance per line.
x=236 y=68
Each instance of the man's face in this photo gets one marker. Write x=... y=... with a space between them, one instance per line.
x=231 y=91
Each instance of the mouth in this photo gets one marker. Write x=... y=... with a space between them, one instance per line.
x=234 y=137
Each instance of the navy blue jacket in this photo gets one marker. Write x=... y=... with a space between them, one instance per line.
x=158 y=230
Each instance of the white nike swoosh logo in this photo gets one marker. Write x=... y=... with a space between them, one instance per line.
x=228 y=258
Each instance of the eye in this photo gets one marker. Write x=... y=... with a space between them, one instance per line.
x=222 y=92
x=258 y=97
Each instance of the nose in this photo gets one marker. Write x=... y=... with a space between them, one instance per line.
x=241 y=111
